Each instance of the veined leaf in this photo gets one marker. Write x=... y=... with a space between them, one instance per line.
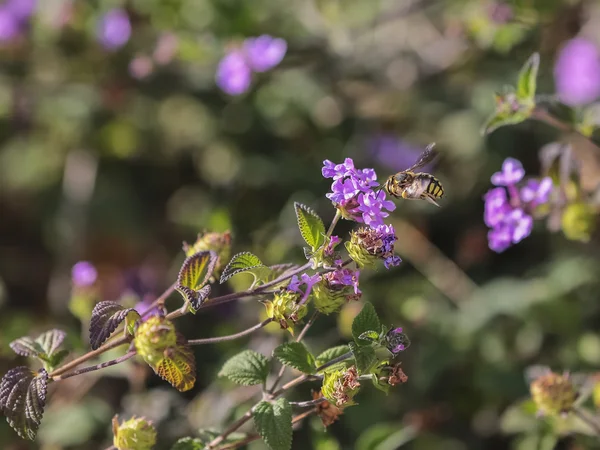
x=106 y=317
x=526 y=84
x=365 y=358
x=247 y=368
x=178 y=366
x=45 y=347
x=365 y=321
x=370 y=336
x=23 y=398
x=242 y=262
x=273 y=421
x=195 y=272
x=296 y=355
x=311 y=226
x=195 y=299
x=188 y=443
x=332 y=353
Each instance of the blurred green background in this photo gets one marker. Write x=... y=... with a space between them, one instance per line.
x=116 y=157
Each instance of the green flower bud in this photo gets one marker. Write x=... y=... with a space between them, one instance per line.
x=359 y=250
x=284 y=308
x=578 y=222
x=340 y=386
x=220 y=243
x=153 y=337
x=328 y=300
x=553 y=394
x=133 y=434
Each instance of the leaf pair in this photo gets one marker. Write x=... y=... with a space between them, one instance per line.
x=46 y=348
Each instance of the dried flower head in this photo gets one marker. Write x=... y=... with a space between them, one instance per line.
x=397 y=375
x=553 y=394
x=327 y=412
x=340 y=387
x=285 y=308
x=368 y=244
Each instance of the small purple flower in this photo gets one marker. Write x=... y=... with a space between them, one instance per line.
x=114 y=29
x=21 y=9
x=371 y=206
x=330 y=247
x=9 y=25
x=306 y=279
x=295 y=284
x=577 y=72
x=521 y=224
x=264 y=52
x=396 y=341
x=394 y=153
x=83 y=274
x=233 y=74
x=496 y=206
x=512 y=172
x=345 y=277
x=537 y=191
x=500 y=238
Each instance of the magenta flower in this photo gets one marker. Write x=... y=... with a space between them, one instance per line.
x=9 y=25
x=114 y=29
x=330 y=247
x=396 y=341
x=83 y=274
x=264 y=52
x=233 y=74
x=537 y=191
x=512 y=172
x=371 y=207
x=496 y=206
x=21 y=9
x=577 y=72
x=308 y=281
x=344 y=277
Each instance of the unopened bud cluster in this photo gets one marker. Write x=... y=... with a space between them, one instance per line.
x=220 y=243
x=286 y=309
x=553 y=394
x=153 y=338
x=136 y=433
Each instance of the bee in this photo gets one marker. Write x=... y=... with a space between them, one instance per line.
x=416 y=186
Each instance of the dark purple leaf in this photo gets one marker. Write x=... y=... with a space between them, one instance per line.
x=106 y=317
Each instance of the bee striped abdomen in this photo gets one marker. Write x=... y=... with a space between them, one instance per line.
x=435 y=188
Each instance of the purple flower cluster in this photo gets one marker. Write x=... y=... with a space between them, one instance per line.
x=343 y=277
x=114 y=29
x=508 y=210
x=387 y=235
x=83 y=274
x=307 y=280
x=577 y=72
x=257 y=54
x=352 y=192
x=14 y=15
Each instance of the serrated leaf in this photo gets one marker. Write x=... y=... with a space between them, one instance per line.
x=273 y=422
x=23 y=398
x=242 y=262
x=178 y=367
x=51 y=340
x=26 y=346
x=366 y=320
x=43 y=347
x=331 y=353
x=296 y=355
x=526 y=84
x=364 y=357
x=311 y=226
x=246 y=368
x=188 y=443
x=106 y=317
x=370 y=336
x=195 y=272
x=500 y=119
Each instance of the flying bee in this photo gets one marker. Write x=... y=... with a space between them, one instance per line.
x=416 y=186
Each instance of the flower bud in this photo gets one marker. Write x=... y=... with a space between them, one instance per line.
x=220 y=243
x=133 y=434
x=578 y=222
x=285 y=309
x=368 y=244
x=153 y=337
x=396 y=341
x=340 y=387
x=328 y=300
x=553 y=393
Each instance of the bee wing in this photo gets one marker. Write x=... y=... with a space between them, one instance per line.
x=426 y=157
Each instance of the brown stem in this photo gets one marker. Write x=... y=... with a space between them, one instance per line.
x=234 y=426
x=112 y=362
x=231 y=337
x=544 y=116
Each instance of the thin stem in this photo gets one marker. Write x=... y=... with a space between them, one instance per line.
x=298 y=339
x=544 y=116
x=83 y=370
x=330 y=363
x=83 y=358
x=334 y=222
x=234 y=426
x=231 y=337
x=315 y=402
x=594 y=425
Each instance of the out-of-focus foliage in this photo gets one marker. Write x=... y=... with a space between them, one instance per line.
x=117 y=149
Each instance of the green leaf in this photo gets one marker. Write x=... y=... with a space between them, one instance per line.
x=188 y=443
x=195 y=272
x=273 y=421
x=331 y=353
x=364 y=357
x=247 y=368
x=296 y=355
x=44 y=346
x=23 y=398
x=501 y=118
x=178 y=366
x=311 y=226
x=365 y=321
x=242 y=262
x=106 y=317
x=370 y=336
x=527 y=80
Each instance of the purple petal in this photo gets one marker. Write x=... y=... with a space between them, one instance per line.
x=264 y=52
x=114 y=29
x=577 y=72
x=83 y=274
x=233 y=74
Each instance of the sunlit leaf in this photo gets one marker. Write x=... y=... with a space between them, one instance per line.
x=273 y=421
x=526 y=83
x=193 y=276
x=332 y=353
x=365 y=321
x=311 y=226
x=188 y=443
x=364 y=357
x=106 y=317
x=240 y=263
x=23 y=398
x=500 y=119
x=178 y=366
x=246 y=368
x=296 y=355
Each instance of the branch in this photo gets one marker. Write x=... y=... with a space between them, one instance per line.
x=231 y=337
x=593 y=424
x=112 y=362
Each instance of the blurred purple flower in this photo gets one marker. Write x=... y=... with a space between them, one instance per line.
x=114 y=29
x=392 y=152
x=577 y=72
x=9 y=25
x=166 y=47
x=21 y=9
x=537 y=191
x=496 y=206
x=500 y=12
x=512 y=172
x=83 y=274
x=264 y=52
x=233 y=74
x=144 y=307
x=140 y=67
